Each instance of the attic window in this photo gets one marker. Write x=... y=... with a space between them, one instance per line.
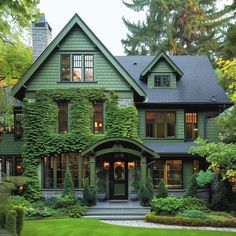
x=162 y=81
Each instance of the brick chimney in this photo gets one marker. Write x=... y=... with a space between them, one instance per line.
x=41 y=36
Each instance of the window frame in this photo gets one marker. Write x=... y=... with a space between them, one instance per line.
x=88 y=67
x=165 y=124
x=103 y=118
x=160 y=79
x=16 y=138
x=192 y=124
x=67 y=117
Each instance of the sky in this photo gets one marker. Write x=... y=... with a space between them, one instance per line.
x=104 y=18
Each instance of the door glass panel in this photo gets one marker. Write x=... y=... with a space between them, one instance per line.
x=119 y=170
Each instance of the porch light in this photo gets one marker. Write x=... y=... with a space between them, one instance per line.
x=106 y=165
x=131 y=165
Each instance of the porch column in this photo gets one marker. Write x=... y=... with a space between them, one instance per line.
x=92 y=171
x=143 y=165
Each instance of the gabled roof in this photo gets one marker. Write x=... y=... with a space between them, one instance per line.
x=156 y=59
x=76 y=20
x=198 y=84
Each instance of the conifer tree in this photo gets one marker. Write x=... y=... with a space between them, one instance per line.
x=162 y=190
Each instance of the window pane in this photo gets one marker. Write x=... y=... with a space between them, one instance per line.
x=85 y=169
x=9 y=166
x=150 y=124
x=19 y=166
x=170 y=130
x=63 y=117
x=160 y=130
x=98 y=118
x=18 y=125
x=73 y=164
x=166 y=81
x=48 y=172
x=88 y=67
x=162 y=81
x=174 y=173
x=65 y=67
x=77 y=67
x=61 y=169
x=158 y=172
x=160 y=117
x=191 y=130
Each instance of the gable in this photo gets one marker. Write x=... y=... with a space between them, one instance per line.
x=50 y=57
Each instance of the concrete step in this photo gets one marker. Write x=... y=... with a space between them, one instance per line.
x=93 y=213
x=115 y=217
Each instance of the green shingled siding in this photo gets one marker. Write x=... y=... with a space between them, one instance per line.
x=8 y=146
x=105 y=74
x=187 y=172
x=201 y=132
x=162 y=66
x=179 y=125
x=212 y=130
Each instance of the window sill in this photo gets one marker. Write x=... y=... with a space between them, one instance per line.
x=77 y=82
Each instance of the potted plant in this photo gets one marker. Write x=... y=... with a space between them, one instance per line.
x=136 y=185
x=101 y=185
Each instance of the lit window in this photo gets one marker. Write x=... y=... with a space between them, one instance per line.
x=162 y=81
x=88 y=67
x=62 y=117
x=65 y=67
x=98 y=118
x=77 y=67
x=191 y=126
x=160 y=124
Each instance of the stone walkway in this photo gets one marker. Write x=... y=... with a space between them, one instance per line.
x=141 y=223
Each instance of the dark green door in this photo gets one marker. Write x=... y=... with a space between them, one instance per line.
x=119 y=180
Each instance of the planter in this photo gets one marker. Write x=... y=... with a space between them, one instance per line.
x=133 y=196
x=101 y=196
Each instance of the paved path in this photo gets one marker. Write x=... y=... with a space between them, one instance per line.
x=141 y=223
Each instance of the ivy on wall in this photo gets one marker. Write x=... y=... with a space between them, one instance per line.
x=40 y=127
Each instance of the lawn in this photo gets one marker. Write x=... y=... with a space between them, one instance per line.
x=93 y=227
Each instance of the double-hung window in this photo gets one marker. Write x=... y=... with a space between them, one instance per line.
x=98 y=118
x=77 y=67
x=160 y=124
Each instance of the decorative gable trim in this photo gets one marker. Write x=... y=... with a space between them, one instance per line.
x=156 y=59
x=75 y=20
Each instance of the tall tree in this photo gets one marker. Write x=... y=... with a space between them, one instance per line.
x=180 y=26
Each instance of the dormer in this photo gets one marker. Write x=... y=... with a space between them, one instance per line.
x=161 y=73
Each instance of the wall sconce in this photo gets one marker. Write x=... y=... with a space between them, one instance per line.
x=131 y=165
x=106 y=165
x=100 y=125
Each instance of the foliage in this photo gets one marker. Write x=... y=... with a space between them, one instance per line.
x=229 y=50
x=20 y=214
x=20 y=201
x=11 y=221
x=170 y=220
x=193 y=214
x=221 y=157
x=181 y=27
x=192 y=203
x=75 y=211
x=41 y=212
x=162 y=190
x=41 y=139
x=223 y=198
x=101 y=184
x=205 y=177
x=136 y=180
x=68 y=186
x=64 y=202
x=166 y=206
x=149 y=184
x=144 y=195
x=191 y=190
x=89 y=194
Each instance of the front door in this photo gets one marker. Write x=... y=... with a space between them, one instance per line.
x=119 y=180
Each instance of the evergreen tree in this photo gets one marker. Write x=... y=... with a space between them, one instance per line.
x=68 y=187
x=229 y=50
x=162 y=190
x=149 y=185
x=144 y=195
x=181 y=27
x=192 y=188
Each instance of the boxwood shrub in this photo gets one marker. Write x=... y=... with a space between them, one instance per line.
x=193 y=214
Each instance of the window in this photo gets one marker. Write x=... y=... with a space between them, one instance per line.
x=170 y=170
x=18 y=128
x=162 y=81
x=160 y=124
x=196 y=166
x=80 y=65
x=11 y=166
x=62 y=117
x=98 y=118
x=191 y=130
x=48 y=172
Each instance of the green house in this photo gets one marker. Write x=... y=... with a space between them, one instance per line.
x=110 y=119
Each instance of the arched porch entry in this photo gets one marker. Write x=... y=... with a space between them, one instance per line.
x=115 y=163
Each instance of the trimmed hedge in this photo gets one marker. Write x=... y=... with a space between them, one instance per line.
x=11 y=222
x=170 y=220
x=20 y=215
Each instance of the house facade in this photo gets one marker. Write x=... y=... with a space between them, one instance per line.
x=110 y=119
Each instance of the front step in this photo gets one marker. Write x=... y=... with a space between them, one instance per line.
x=113 y=217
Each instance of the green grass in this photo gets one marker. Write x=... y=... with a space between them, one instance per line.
x=93 y=227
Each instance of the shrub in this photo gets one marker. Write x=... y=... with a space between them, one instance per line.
x=144 y=194
x=20 y=214
x=75 y=211
x=192 y=188
x=170 y=220
x=162 y=190
x=193 y=214
x=20 y=201
x=64 y=202
x=41 y=212
x=68 y=187
x=205 y=177
x=223 y=197
x=166 y=206
x=136 y=180
x=149 y=185
x=193 y=203
x=3 y=214
x=11 y=222
x=89 y=195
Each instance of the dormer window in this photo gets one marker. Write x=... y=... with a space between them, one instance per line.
x=77 y=68
x=161 y=81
